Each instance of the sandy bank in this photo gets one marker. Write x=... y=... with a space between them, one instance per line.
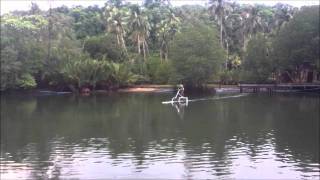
x=169 y=88
x=146 y=89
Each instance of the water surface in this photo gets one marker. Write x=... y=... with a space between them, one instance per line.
x=135 y=136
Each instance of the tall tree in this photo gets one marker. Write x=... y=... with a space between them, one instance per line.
x=22 y=51
x=196 y=55
x=116 y=20
x=163 y=26
x=297 y=44
x=252 y=24
x=257 y=66
x=87 y=21
x=219 y=9
x=168 y=27
x=140 y=27
x=283 y=13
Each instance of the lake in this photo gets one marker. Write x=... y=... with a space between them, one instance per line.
x=125 y=135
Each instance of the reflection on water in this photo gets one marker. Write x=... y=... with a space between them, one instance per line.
x=135 y=136
x=180 y=108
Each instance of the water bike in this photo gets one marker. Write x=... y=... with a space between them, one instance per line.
x=178 y=98
x=182 y=100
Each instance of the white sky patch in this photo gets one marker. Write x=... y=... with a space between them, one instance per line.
x=296 y=3
x=11 y=5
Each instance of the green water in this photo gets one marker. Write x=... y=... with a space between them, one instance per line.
x=135 y=136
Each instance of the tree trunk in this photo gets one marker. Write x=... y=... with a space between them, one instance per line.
x=139 y=44
x=166 y=54
x=147 y=47
x=227 y=55
x=123 y=43
x=221 y=43
x=160 y=54
x=49 y=32
x=246 y=41
x=118 y=33
x=84 y=42
x=144 y=51
x=118 y=41
x=120 y=38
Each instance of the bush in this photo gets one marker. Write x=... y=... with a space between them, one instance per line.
x=86 y=72
x=26 y=81
x=121 y=74
x=159 y=72
x=229 y=76
x=257 y=65
x=196 y=55
x=101 y=47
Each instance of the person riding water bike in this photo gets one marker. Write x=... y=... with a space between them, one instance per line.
x=179 y=96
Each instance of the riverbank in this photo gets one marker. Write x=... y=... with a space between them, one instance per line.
x=148 y=88
x=169 y=88
x=306 y=87
x=156 y=88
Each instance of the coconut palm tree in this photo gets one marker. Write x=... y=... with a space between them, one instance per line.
x=283 y=13
x=163 y=25
x=219 y=9
x=252 y=23
x=116 y=20
x=140 y=27
x=166 y=31
x=233 y=27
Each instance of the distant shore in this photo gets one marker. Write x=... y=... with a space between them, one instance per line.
x=160 y=88
x=148 y=88
x=284 y=87
x=168 y=88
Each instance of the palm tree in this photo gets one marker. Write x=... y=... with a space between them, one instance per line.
x=252 y=23
x=232 y=29
x=116 y=20
x=283 y=13
x=166 y=31
x=219 y=9
x=163 y=25
x=140 y=29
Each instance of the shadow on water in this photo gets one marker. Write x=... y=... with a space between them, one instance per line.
x=56 y=136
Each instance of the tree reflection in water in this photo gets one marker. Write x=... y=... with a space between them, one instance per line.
x=180 y=108
x=134 y=135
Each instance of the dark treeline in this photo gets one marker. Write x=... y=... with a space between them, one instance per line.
x=122 y=43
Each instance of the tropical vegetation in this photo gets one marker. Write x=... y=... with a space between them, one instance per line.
x=122 y=43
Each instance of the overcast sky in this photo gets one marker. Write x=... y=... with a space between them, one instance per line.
x=11 y=5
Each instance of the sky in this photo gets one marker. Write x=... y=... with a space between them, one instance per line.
x=11 y=5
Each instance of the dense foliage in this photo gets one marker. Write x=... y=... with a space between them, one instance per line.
x=297 y=44
x=196 y=55
x=122 y=43
x=257 y=65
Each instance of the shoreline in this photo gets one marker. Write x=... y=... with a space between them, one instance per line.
x=141 y=88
